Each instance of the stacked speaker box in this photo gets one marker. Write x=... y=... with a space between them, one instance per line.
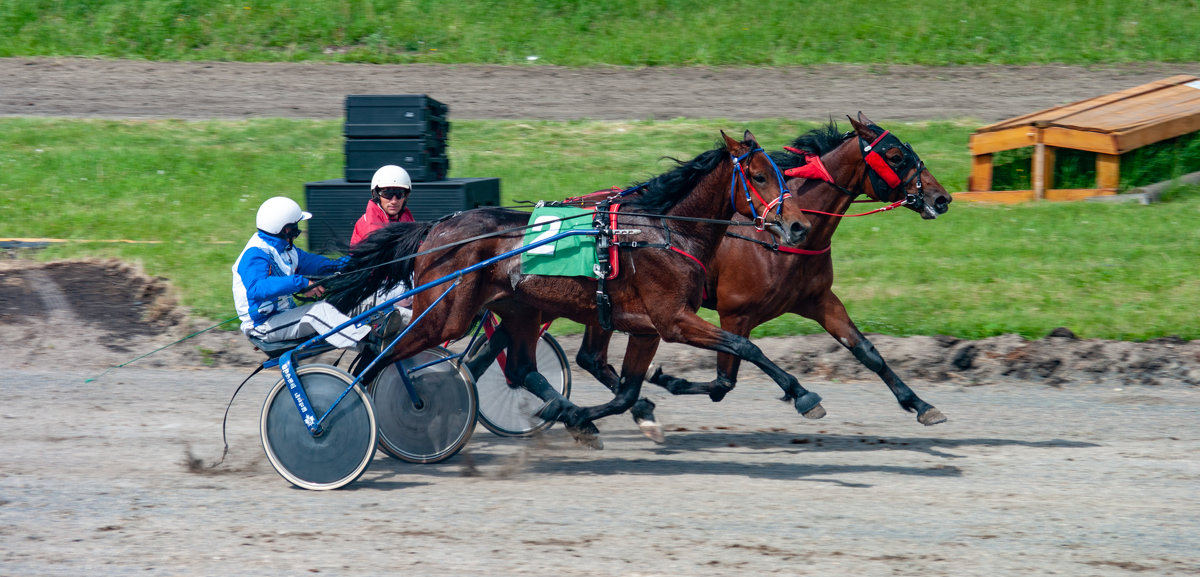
x=408 y=130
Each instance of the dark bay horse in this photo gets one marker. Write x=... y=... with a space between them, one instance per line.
x=750 y=283
x=679 y=219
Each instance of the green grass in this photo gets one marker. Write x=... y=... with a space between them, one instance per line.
x=1110 y=271
x=608 y=32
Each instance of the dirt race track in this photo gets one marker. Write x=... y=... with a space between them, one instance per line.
x=1061 y=456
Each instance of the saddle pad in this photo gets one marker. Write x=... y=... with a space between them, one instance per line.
x=569 y=256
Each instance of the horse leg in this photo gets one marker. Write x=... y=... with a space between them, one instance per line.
x=689 y=328
x=521 y=367
x=593 y=356
x=486 y=355
x=638 y=354
x=831 y=314
x=727 y=367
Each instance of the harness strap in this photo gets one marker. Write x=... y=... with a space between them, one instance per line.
x=777 y=248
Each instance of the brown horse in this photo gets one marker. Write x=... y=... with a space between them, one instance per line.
x=750 y=282
x=679 y=220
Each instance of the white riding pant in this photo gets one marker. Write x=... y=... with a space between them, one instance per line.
x=403 y=307
x=307 y=320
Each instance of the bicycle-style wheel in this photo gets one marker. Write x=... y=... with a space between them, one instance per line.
x=509 y=411
x=341 y=453
x=442 y=421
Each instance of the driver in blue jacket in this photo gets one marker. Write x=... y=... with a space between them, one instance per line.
x=271 y=269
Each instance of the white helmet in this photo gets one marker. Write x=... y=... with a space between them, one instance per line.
x=390 y=176
x=278 y=212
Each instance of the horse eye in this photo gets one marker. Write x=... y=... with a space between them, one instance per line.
x=760 y=178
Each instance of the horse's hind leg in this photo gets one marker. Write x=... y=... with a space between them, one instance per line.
x=831 y=314
x=521 y=367
x=691 y=329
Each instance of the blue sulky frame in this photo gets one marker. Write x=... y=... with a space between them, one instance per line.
x=286 y=360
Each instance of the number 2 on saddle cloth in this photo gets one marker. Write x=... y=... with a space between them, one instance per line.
x=583 y=255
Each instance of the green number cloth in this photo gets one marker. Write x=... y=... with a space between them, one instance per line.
x=573 y=255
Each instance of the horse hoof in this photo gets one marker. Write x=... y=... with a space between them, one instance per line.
x=587 y=435
x=931 y=417
x=809 y=405
x=652 y=430
x=656 y=377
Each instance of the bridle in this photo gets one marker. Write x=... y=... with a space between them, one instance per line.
x=739 y=174
x=883 y=177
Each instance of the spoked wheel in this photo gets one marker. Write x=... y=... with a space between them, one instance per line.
x=440 y=423
x=341 y=453
x=508 y=410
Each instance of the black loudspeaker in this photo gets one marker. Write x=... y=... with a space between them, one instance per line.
x=337 y=204
x=408 y=130
x=423 y=159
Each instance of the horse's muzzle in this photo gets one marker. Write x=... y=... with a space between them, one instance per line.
x=941 y=205
x=794 y=234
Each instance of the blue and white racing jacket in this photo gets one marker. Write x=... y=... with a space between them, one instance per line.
x=268 y=272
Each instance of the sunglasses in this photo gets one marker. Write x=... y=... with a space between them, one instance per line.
x=393 y=193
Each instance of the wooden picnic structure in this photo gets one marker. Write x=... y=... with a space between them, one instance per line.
x=1108 y=125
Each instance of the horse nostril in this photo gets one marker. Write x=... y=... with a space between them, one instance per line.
x=942 y=205
x=798 y=232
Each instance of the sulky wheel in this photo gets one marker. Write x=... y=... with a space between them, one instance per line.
x=508 y=411
x=440 y=423
x=343 y=450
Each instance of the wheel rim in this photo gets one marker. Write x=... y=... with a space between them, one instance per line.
x=509 y=411
x=344 y=449
x=438 y=429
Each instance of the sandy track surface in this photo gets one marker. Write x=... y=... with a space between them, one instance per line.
x=1061 y=457
x=202 y=90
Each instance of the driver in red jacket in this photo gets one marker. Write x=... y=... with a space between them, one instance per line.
x=389 y=196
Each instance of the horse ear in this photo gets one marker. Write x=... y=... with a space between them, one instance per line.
x=863 y=119
x=730 y=144
x=748 y=138
x=861 y=127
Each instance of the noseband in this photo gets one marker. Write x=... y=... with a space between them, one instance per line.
x=739 y=174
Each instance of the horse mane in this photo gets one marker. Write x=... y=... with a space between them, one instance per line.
x=667 y=189
x=818 y=141
x=372 y=265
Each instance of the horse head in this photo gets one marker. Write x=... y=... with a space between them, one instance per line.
x=897 y=173
x=758 y=191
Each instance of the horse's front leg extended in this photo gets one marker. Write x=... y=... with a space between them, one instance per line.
x=831 y=314
x=689 y=328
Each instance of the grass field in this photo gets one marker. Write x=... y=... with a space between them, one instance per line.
x=609 y=32
x=191 y=190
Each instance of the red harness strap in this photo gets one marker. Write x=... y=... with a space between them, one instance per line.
x=803 y=250
x=614 y=263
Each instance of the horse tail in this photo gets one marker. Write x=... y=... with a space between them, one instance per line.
x=376 y=263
